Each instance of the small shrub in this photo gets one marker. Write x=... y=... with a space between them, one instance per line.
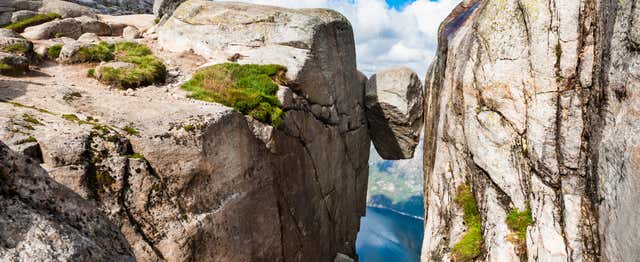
x=131 y=130
x=91 y=72
x=54 y=51
x=470 y=246
x=249 y=89
x=19 y=26
x=156 y=20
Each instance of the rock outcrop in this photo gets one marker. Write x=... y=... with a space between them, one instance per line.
x=43 y=220
x=324 y=135
x=394 y=111
x=187 y=180
x=531 y=105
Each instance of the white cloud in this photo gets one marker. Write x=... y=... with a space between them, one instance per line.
x=386 y=37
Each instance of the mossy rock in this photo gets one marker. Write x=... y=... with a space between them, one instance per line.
x=11 y=64
x=134 y=64
x=249 y=89
x=20 y=25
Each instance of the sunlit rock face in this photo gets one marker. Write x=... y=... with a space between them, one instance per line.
x=531 y=104
x=188 y=180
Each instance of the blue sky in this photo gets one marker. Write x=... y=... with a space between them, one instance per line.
x=389 y=33
x=398 y=4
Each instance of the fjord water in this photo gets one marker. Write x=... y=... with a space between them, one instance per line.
x=387 y=236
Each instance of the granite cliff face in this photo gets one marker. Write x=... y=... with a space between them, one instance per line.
x=530 y=145
x=187 y=180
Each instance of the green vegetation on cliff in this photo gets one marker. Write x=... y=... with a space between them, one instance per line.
x=470 y=246
x=518 y=221
x=249 y=89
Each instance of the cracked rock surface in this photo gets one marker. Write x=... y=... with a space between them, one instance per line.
x=42 y=220
x=187 y=180
x=532 y=104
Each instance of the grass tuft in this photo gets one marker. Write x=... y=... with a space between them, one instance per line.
x=249 y=89
x=470 y=246
x=19 y=26
x=96 y=53
x=189 y=127
x=54 y=51
x=148 y=68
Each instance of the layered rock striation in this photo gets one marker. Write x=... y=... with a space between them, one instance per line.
x=531 y=106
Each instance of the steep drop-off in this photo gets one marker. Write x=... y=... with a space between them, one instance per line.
x=533 y=106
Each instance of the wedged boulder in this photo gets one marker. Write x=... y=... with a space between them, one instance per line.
x=68 y=27
x=394 y=112
x=43 y=220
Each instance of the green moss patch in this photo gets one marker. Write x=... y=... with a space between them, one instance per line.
x=249 y=89
x=19 y=26
x=518 y=221
x=147 y=69
x=54 y=51
x=17 y=48
x=470 y=246
x=102 y=51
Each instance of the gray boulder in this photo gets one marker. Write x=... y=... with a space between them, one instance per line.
x=22 y=14
x=68 y=27
x=91 y=25
x=130 y=32
x=69 y=52
x=394 y=112
x=43 y=220
x=66 y=9
x=89 y=38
